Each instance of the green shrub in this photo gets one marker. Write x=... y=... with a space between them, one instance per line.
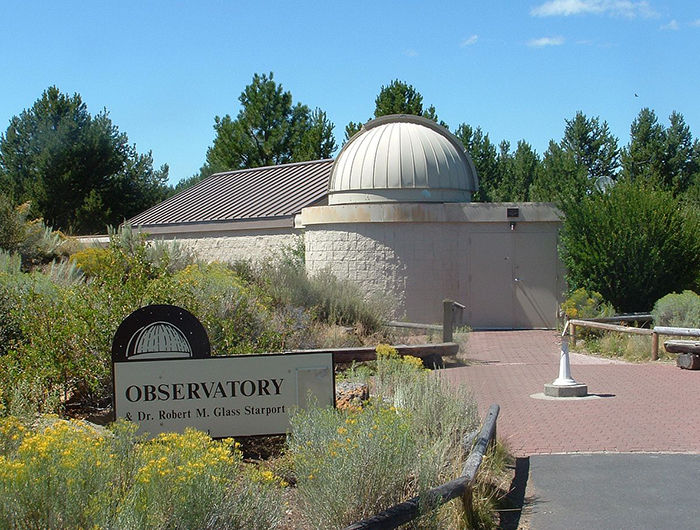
x=10 y=262
x=234 y=316
x=32 y=240
x=58 y=328
x=631 y=244
x=329 y=299
x=350 y=465
x=632 y=348
x=678 y=310
x=12 y=224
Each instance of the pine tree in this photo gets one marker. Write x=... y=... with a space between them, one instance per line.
x=268 y=130
x=78 y=171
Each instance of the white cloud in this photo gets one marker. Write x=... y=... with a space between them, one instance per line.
x=695 y=23
x=671 y=26
x=546 y=41
x=410 y=53
x=565 y=8
x=470 y=41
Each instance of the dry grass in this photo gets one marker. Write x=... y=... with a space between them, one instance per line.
x=631 y=348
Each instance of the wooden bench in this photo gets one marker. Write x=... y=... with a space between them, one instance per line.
x=688 y=353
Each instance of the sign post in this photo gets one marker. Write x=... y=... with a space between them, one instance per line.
x=165 y=379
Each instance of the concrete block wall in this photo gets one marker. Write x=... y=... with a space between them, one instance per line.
x=254 y=245
x=414 y=264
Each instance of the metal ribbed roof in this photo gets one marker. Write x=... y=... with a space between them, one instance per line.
x=258 y=193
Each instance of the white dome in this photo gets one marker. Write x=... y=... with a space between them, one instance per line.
x=402 y=158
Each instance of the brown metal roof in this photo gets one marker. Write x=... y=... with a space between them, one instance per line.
x=248 y=194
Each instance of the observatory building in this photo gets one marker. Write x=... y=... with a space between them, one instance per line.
x=393 y=214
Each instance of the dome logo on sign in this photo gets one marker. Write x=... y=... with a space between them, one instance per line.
x=160 y=332
x=159 y=340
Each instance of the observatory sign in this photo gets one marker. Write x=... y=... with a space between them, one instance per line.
x=166 y=380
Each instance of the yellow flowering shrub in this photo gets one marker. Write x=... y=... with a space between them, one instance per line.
x=179 y=479
x=56 y=476
x=582 y=304
x=414 y=362
x=12 y=432
x=385 y=351
x=93 y=260
x=70 y=474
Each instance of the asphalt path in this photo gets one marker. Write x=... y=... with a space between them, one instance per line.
x=614 y=491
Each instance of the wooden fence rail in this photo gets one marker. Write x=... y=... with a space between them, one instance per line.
x=654 y=332
x=460 y=487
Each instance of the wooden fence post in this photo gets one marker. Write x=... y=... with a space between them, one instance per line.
x=572 y=334
x=448 y=308
x=654 y=346
x=468 y=506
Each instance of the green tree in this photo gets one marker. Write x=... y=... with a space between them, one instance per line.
x=74 y=168
x=592 y=146
x=317 y=140
x=631 y=243
x=485 y=158
x=351 y=129
x=665 y=157
x=398 y=97
x=586 y=159
x=518 y=171
x=560 y=177
x=268 y=130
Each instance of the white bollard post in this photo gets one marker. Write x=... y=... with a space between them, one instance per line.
x=564 y=378
x=564 y=385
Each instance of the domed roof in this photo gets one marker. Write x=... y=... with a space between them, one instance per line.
x=402 y=158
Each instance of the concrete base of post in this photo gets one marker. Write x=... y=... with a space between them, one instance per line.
x=575 y=390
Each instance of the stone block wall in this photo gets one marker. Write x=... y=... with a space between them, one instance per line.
x=227 y=247
x=413 y=264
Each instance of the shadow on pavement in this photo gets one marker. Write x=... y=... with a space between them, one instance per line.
x=515 y=500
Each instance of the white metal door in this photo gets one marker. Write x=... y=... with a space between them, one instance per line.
x=535 y=280
x=490 y=293
x=512 y=280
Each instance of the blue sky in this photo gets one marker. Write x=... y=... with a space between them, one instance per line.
x=518 y=69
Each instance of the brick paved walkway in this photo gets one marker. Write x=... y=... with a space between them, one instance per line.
x=653 y=407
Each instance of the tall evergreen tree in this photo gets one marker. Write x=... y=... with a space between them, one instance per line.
x=398 y=97
x=485 y=158
x=668 y=158
x=75 y=168
x=351 y=129
x=317 y=140
x=268 y=130
x=592 y=145
x=560 y=176
x=518 y=171
x=586 y=159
